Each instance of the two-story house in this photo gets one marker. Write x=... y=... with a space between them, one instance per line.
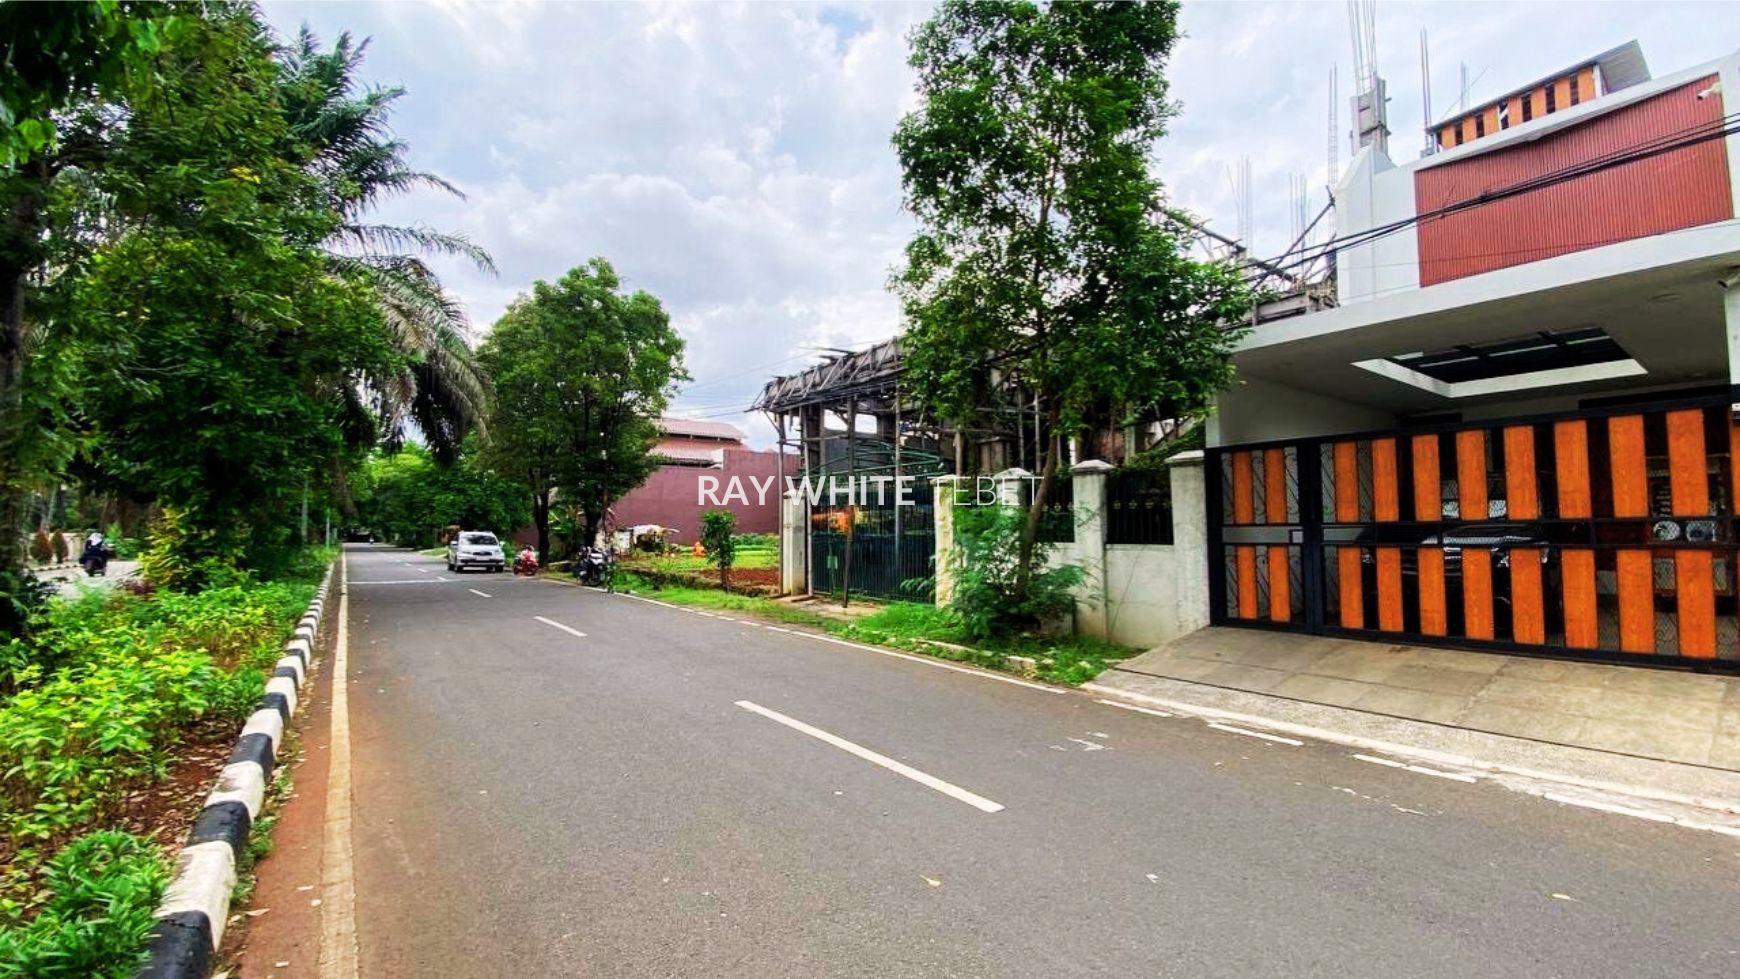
x=1517 y=426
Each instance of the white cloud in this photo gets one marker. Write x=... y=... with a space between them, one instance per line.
x=734 y=159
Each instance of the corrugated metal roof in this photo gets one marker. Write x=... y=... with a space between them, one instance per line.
x=689 y=453
x=697 y=428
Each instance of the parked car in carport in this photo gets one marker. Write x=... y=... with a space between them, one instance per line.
x=475 y=549
x=1500 y=540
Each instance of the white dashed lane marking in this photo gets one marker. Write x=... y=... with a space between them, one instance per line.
x=1417 y=769
x=1139 y=710
x=1228 y=728
x=951 y=790
x=557 y=625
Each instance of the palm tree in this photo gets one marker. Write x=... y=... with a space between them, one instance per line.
x=360 y=163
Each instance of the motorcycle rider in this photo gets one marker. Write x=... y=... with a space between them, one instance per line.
x=95 y=557
x=526 y=562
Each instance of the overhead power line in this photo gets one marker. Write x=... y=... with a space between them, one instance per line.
x=1690 y=136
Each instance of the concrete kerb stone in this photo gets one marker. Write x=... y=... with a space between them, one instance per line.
x=190 y=921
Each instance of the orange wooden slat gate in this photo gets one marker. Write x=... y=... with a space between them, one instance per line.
x=1576 y=564
x=1347 y=555
x=1476 y=560
x=1245 y=513
x=1636 y=574
x=1694 y=569
x=1429 y=505
x=1386 y=508
x=1522 y=499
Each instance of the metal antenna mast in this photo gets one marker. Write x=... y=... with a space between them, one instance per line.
x=1426 y=97
x=1334 y=136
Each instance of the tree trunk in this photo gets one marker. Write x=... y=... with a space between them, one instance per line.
x=1036 y=506
x=19 y=250
x=541 y=521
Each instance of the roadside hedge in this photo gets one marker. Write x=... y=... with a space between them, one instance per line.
x=93 y=707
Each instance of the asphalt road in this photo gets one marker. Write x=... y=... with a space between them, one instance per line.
x=532 y=802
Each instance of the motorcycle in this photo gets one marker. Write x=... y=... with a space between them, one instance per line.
x=95 y=561
x=526 y=564
x=593 y=567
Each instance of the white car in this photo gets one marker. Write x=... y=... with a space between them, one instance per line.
x=475 y=549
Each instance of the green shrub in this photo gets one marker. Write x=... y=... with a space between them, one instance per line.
x=178 y=555
x=993 y=594
x=716 y=537
x=99 y=893
x=107 y=683
x=71 y=746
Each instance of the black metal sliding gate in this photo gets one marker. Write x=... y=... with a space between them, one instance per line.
x=1603 y=534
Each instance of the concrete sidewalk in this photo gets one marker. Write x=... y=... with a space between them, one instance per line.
x=1615 y=724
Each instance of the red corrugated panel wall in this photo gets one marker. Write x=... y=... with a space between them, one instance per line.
x=1682 y=188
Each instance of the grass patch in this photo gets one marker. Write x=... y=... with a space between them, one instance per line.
x=1071 y=660
x=713 y=598
x=674 y=563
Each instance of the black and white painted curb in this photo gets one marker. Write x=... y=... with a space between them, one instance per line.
x=190 y=921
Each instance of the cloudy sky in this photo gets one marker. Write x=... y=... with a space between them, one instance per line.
x=733 y=159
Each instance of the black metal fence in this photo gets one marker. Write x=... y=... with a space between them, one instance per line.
x=877 y=549
x=1138 y=507
x=1057 y=523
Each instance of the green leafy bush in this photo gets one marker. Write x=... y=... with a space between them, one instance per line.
x=106 y=685
x=70 y=746
x=179 y=555
x=717 y=538
x=993 y=594
x=98 y=895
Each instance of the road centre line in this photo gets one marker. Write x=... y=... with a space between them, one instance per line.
x=1417 y=769
x=1295 y=742
x=978 y=802
x=1139 y=710
x=554 y=624
x=480 y=594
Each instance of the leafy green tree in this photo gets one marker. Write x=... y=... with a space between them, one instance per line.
x=582 y=372
x=409 y=497
x=58 y=58
x=717 y=526
x=222 y=335
x=1045 y=258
